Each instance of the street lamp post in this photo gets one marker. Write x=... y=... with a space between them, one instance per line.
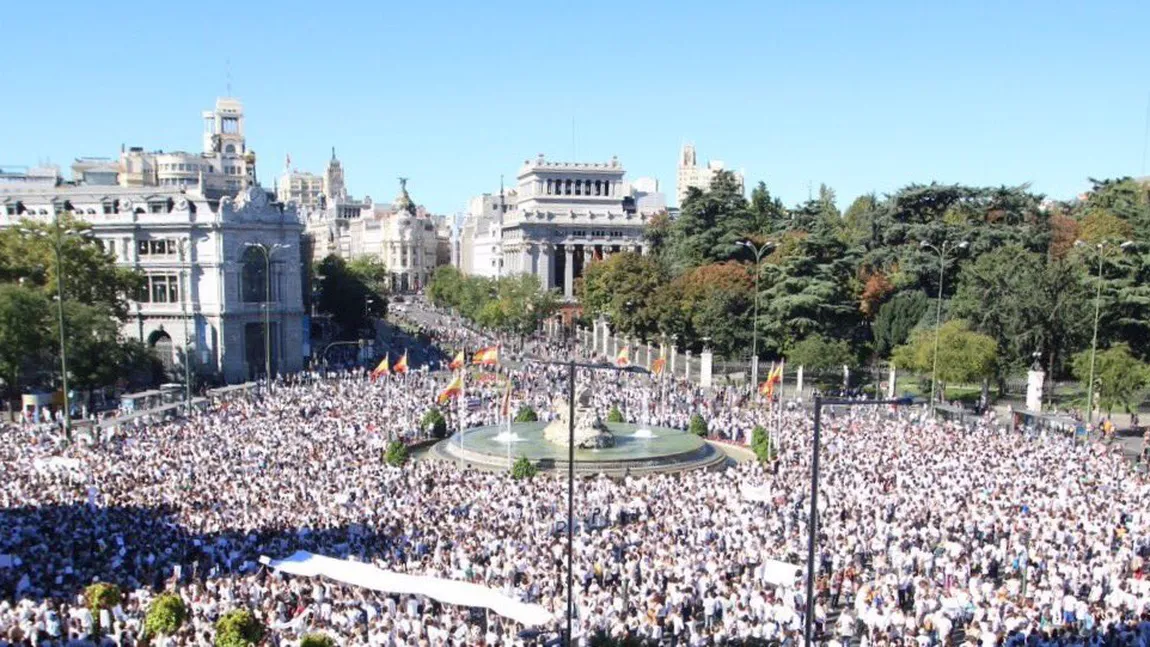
x=1101 y=248
x=267 y=251
x=759 y=251
x=942 y=251
x=56 y=236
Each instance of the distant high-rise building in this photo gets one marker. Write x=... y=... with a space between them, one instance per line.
x=693 y=175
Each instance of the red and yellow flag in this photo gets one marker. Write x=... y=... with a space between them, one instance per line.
x=658 y=365
x=624 y=357
x=458 y=362
x=486 y=356
x=401 y=365
x=453 y=390
x=383 y=368
x=767 y=388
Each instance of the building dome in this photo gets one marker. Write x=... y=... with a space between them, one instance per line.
x=250 y=157
x=403 y=203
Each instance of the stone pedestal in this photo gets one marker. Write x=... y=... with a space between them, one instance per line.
x=754 y=372
x=687 y=366
x=1034 y=380
x=890 y=384
x=674 y=359
x=648 y=356
x=705 y=365
x=799 y=385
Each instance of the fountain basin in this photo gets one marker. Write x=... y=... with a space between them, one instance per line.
x=662 y=450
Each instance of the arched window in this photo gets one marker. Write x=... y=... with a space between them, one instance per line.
x=161 y=343
x=598 y=187
x=578 y=187
x=253 y=279
x=548 y=187
x=230 y=148
x=568 y=188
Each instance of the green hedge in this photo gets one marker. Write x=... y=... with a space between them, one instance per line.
x=523 y=468
x=698 y=425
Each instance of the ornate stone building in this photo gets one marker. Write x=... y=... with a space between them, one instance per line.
x=206 y=285
x=408 y=239
x=191 y=222
x=565 y=214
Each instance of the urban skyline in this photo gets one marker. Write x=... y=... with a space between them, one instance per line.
x=862 y=99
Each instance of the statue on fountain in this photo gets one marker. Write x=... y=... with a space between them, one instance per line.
x=590 y=431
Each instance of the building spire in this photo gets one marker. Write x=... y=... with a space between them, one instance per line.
x=333 y=153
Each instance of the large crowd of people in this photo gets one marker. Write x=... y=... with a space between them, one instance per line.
x=930 y=533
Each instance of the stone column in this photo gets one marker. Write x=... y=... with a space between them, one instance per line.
x=614 y=346
x=648 y=356
x=798 y=385
x=705 y=362
x=890 y=386
x=569 y=273
x=546 y=265
x=687 y=365
x=606 y=339
x=1034 y=379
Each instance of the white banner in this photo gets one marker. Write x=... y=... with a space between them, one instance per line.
x=464 y=594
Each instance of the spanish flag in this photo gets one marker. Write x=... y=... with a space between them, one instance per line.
x=401 y=365
x=383 y=368
x=658 y=365
x=486 y=356
x=453 y=390
x=624 y=357
x=767 y=388
x=458 y=362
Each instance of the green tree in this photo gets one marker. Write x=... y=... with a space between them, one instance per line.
x=166 y=614
x=896 y=318
x=767 y=213
x=810 y=288
x=396 y=455
x=445 y=287
x=697 y=425
x=523 y=468
x=526 y=414
x=348 y=293
x=964 y=356
x=614 y=415
x=317 y=640
x=91 y=275
x=710 y=224
x=1120 y=379
x=761 y=444
x=434 y=423
x=820 y=354
x=1025 y=303
x=623 y=287
x=25 y=320
x=239 y=628
x=714 y=301
x=101 y=596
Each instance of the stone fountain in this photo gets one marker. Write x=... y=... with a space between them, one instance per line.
x=590 y=431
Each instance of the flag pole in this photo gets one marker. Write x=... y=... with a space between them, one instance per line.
x=462 y=397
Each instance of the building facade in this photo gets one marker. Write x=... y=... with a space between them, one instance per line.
x=406 y=238
x=196 y=225
x=206 y=278
x=691 y=175
x=565 y=215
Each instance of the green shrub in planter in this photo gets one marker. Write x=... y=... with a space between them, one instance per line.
x=434 y=423
x=316 y=640
x=615 y=415
x=762 y=446
x=526 y=414
x=523 y=468
x=698 y=425
x=101 y=596
x=166 y=615
x=396 y=454
x=239 y=628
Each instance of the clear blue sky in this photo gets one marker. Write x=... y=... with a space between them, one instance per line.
x=860 y=95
